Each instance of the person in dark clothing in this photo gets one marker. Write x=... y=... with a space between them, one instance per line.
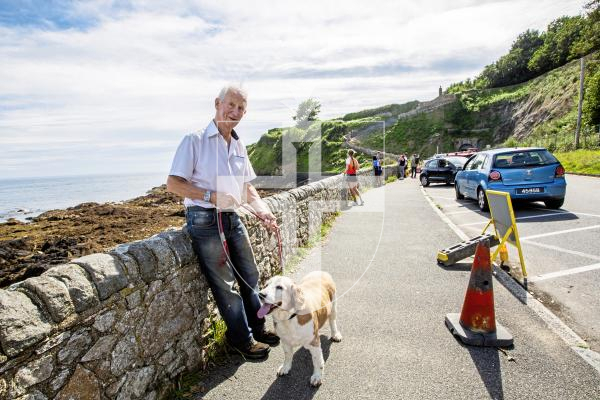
x=377 y=170
x=414 y=162
x=401 y=166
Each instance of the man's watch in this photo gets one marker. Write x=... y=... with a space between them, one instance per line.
x=207 y=196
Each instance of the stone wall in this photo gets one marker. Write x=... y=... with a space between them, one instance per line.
x=124 y=324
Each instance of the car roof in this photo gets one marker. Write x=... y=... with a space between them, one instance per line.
x=511 y=149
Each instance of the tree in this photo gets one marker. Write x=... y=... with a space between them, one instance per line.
x=512 y=68
x=557 y=49
x=589 y=40
x=591 y=105
x=307 y=112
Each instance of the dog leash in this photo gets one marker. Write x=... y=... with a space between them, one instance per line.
x=224 y=240
x=277 y=234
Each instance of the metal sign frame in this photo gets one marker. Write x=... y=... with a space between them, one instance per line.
x=505 y=226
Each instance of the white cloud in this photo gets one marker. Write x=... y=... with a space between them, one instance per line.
x=148 y=73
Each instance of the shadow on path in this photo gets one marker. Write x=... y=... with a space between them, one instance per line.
x=487 y=362
x=296 y=385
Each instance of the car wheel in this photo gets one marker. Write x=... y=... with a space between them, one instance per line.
x=459 y=195
x=482 y=200
x=424 y=180
x=554 y=203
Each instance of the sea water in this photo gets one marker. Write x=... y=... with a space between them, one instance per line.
x=25 y=198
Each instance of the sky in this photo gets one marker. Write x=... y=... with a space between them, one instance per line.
x=111 y=87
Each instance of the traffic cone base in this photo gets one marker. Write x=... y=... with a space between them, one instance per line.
x=500 y=338
x=476 y=324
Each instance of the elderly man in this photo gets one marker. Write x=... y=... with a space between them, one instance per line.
x=212 y=172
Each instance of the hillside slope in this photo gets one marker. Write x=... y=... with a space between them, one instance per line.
x=266 y=154
x=541 y=111
x=477 y=118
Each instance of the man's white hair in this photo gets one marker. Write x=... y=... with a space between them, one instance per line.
x=234 y=89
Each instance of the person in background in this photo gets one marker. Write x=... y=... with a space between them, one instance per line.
x=352 y=167
x=414 y=161
x=377 y=170
x=418 y=161
x=401 y=166
x=211 y=170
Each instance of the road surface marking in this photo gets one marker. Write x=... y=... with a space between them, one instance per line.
x=567 y=212
x=587 y=228
x=459 y=212
x=561 y=250
x=441 y=197
x=451 y=205
x=571 y=338
x=520 y=218
x=565 y=272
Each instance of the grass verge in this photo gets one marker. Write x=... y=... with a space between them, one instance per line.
x=581 y=161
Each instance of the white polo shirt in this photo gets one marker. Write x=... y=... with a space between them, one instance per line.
x=203 y=159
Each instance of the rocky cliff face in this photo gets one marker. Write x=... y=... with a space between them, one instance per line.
x=539 y=108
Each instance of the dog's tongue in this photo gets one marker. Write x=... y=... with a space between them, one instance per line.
x=264 y=310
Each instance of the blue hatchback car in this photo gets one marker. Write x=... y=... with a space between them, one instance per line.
x=529 y=174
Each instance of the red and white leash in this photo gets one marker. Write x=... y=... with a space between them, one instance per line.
x=224 y=240
x=277 y=234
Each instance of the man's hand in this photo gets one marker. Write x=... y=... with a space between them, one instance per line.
x=269 y=221
x=224 y=201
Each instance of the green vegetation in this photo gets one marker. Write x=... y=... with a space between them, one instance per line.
x=591 y=106
x=266 y=154
x=474 y=100
x=393 y=109
x=391 y=178
x=533 y=54
x=581 y=161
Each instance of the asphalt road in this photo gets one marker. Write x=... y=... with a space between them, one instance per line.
x=560 y=247
x=391 y=310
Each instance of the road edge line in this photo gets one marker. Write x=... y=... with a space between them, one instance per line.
x=572 y=339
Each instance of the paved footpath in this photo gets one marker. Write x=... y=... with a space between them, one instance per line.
x=391 y=313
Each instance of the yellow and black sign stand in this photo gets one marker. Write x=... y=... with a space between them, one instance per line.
x=505 y=226
x=505 y=231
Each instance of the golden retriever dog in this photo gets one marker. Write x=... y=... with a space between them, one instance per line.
x=298 y=312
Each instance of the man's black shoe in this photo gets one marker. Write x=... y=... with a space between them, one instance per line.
x=252 y=350
x=267 y=337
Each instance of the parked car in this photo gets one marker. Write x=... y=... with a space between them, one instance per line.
x=529 y=174
x=441 y=170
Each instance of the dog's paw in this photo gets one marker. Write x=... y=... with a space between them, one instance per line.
x=337 y=337
x=283 y=370
x=315 y=380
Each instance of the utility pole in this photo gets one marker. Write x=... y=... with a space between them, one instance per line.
x=577 y=129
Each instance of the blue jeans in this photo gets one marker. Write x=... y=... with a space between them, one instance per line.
x=238 y=310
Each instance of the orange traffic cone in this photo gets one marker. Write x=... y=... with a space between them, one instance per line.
x=476 y=324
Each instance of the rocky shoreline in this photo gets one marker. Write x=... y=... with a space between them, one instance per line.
x=56 y=236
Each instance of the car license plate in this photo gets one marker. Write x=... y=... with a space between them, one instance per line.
x=530 y=190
